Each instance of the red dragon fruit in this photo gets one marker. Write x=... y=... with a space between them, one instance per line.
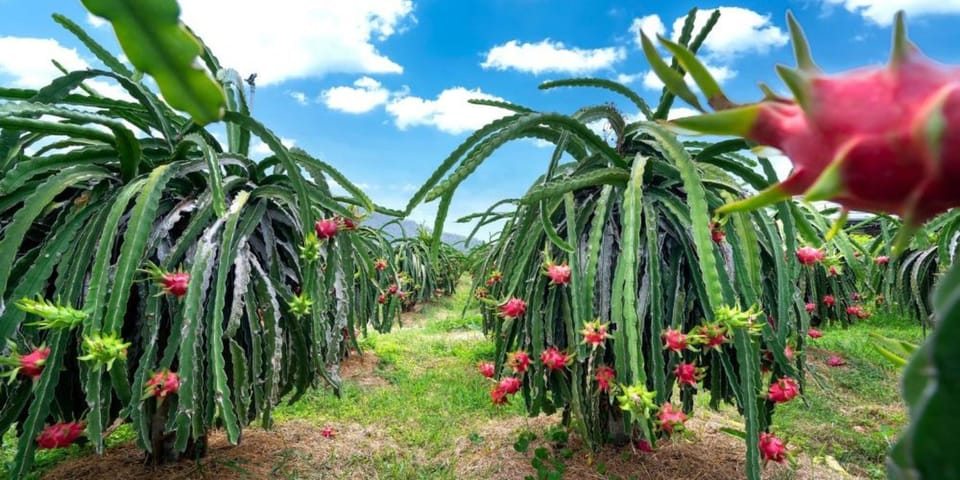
x=59 y=435
x=554 y=359
x=487 y=369
x=174 y=283
x=772 y=449
x=494 y=278
x=605 y=375
x=687 y=374
x=809 y=255
x=510 y=385
x=381 y=299
x=514 y=308
x=783 y=390
x=595 y=333
x=161 y=384
x=810 y=307
x=878 y=139
x=670 y=419
x=714 y=336
x=828 y=300
x=498 y=396
x=326 y=228
x=31 y=364
x=716 y=233
x=559 y=274
x=519 y=361
x=833 y=271
x=393 y=289
x=882 y=260
x=814 y=333
x=858 y=311
x=643 y=446
x=328 y=432
x=835 y=361
x=380 y=265
x=675 y=340
x=855 y=297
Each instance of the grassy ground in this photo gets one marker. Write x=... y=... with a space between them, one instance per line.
x=415 y=407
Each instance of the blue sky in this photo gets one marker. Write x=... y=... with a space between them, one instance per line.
x=378 y=87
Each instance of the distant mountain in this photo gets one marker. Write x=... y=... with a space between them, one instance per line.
x=411 y=228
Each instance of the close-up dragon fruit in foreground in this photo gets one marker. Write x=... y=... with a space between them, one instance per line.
x=881 y=139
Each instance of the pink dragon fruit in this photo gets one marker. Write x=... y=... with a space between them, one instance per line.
x=605 y=375
x=810 y=307
x=161 y=384
x=595 y=333
x=31 y=364
x=487 y=369
x=835 y=361
x=514 y=308
x=380 y=265
x=855 y=297
x=498 y=396
x=714 y=336
x=671 y=420
x=828 y=300
x=381 y=299
x=783 y=390
x=882 y=260
x=59 y=435
x=772 y=449
x=494 y=278
x=519 y=361
x=675 y=340
x=809 y=255
x=554 y=359
x=559 y=274
x=879 y=139
x=716 y=233
x=328 y=432
x=326 y=228
x=393 y=289
x=687 y=374
x=510 y=385
x=175 y=283
x=814 y=333
x=643 y=446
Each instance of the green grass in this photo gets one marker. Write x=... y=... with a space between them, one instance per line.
x=855 y=411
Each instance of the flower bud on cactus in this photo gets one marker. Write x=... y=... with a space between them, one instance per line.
x=310 y=250
x=59 y=435
x=300 y=305
x=878 y=139
x=52 y=316
x=104 y=349
x=637 y=400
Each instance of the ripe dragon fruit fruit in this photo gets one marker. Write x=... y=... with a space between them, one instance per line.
x=328 y=432
x=487 y=369
x=879 y=139
x=59 y=435
x=810 y=307
x=671 y=420
x=605 y=375
x=393 y=289
x=161 y=384
x=510 y=385
x=882 y=260
x=326 y=228
x=828 y=300
x=380 y=265
x=675 y=340
x=498 y=396
x=714 y=336
x=855 y=297
x=514 y=308
x=814 y=333
x=519 y=361
x=772 y=449
x=809 y=255
x=716 y=233
x=31 y=364
x=783 y=390
x=687 y=374
x=595 y=333
x=833 y=271
x=643 y=446
x=554 y=359
x=559 y=274
x=835 y=361
x=858 y=311
x=381 y=299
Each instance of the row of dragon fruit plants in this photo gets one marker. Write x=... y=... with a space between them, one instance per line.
x=632 y=275
x=153 y=275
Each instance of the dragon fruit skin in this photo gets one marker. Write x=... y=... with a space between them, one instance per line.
x=882 y=139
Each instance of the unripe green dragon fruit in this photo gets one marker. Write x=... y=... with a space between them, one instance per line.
x=877 y=139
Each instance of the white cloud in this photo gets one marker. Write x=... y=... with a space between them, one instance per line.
x=450 y=112
x=299 y=97
x=882 y=12
x=28 y=60
x=549 y=56
x=738 y=31
x=365 y=95
x=95 y=21
x=628 y=78
x=680 y=112
x=721 y=73
x=651 y=25
x=286 y=39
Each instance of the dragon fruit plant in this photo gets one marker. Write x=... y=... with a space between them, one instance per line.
x=96 y=192
x=631 y=217
x=881 y=139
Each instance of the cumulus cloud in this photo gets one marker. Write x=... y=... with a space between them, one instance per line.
x=739 y=31
x=882 y=12
x=28 y=63
x=287 y=39
x=365 y=95
x=450 y=112
x=299 y=97
x=550 y=56
x=651 y=26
